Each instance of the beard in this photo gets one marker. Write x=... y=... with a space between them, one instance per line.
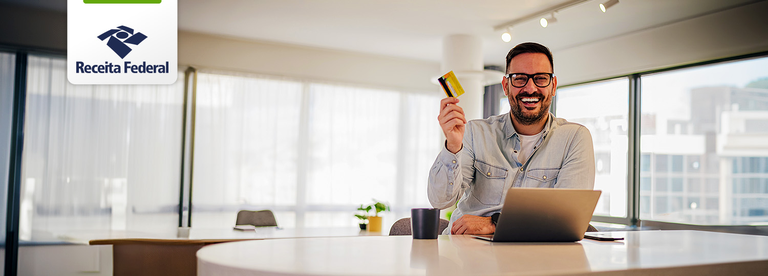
x=528 y=119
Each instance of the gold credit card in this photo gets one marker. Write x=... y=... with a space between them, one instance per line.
x=451 y=85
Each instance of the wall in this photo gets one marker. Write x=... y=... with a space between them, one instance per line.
x=233 y=54
x=738 y=31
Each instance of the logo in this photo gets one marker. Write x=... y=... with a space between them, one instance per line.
x=119 y=37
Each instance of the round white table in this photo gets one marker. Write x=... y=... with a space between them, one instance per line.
x=642 y=253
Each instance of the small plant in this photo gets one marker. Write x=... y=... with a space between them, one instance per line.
x=363 y=217
x=380 y=207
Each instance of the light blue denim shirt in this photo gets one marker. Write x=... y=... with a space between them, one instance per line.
x=480 y=174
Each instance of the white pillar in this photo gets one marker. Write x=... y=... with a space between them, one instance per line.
x=463 y=54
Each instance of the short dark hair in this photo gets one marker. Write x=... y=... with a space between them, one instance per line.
x=529 y=47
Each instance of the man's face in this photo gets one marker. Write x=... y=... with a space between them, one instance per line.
x=530 y=103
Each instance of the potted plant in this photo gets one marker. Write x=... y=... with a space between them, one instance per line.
x=363 y=217
x=375 y=221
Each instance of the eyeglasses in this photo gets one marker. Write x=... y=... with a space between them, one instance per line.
x=519 y=80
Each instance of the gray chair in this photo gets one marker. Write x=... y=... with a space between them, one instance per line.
x=591 y=228
x=402 y=227
x=256 y=218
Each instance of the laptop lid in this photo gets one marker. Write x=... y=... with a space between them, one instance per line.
x=545 y=215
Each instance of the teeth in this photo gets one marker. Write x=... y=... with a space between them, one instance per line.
x=530 y=100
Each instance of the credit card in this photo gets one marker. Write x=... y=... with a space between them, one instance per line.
x=451 y=85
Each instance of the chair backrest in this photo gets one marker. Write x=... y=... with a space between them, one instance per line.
x=256 y=218
x=591 y=228
x=402 y=227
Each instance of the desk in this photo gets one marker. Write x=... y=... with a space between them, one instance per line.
x=642 y=253
x=135 y=253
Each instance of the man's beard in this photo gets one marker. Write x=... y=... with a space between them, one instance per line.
x=517 y=109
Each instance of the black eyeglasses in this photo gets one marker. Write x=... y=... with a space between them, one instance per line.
x=519 y=80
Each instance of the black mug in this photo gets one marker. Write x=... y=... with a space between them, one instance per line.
x=425 y=223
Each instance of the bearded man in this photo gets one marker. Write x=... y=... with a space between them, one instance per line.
x=527 y=147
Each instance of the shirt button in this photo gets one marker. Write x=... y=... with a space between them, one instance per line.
x=451 y=183
x=454 y=161
x=521 y=169
x=489 y=173
x=545 y=177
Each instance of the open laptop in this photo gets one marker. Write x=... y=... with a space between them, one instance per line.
x=544 y=215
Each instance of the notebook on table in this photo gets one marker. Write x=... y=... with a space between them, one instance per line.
x=544 y=215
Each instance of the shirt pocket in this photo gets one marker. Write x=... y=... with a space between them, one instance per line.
x=542 y=178
x=489 y=183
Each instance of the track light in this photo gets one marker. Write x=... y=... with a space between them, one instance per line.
x=605 y=6
x=506 y=36
x=549 y=20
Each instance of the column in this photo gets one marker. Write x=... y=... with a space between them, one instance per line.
x=463 y=54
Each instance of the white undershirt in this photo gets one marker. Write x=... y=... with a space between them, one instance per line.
x=527 y=142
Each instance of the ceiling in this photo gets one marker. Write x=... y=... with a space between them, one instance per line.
x=415 y=28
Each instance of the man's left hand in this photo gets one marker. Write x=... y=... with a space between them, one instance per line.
x=473 y=225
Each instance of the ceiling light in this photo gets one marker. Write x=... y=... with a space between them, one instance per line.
x=506 y=36
x=605 y=6
x=549 y=20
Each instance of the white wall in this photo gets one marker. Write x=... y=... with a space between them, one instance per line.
x=729 y=33
x=205 y=51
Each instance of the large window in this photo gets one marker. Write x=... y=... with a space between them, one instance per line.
x=98 y=158
x=704 y=144
x=311 y=152
x=602 y=107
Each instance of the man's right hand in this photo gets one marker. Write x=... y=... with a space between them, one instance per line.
x=452 y=122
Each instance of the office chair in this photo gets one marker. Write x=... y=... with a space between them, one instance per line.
x=591 y=228
x=256 y=218
x=402 y=227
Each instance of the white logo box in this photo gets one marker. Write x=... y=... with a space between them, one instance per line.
x=85 y=22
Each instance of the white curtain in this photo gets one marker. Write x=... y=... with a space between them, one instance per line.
x=98 y=157
x=311 y=152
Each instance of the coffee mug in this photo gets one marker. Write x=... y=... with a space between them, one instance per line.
x=425 y=223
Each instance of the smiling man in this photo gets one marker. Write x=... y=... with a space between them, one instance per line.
x=527 y=147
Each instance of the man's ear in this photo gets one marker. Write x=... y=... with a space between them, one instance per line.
x=554 y=86
x=504 y=86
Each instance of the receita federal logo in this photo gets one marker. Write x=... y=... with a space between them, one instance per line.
x=117 y=40
x=119 y=37
x=109 y=44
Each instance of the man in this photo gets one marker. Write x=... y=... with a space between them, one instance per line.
x=527 y=147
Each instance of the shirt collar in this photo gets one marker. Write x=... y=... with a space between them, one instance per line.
x=509 y=128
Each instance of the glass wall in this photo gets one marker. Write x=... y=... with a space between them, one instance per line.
x=704 y=144
x=311 y=152
x=603 y=108
x=98 y=158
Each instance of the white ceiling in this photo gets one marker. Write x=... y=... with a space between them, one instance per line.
x=415 y=28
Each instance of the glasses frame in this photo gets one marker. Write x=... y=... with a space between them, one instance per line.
x=528 y=78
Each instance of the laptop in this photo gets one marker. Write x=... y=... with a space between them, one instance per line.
x=544 y=215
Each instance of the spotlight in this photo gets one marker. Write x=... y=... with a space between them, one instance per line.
x=608 y=4
x=506 y=36
x=546 y=21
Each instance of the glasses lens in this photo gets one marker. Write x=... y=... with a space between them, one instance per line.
x=518 y=80
x=541 y=80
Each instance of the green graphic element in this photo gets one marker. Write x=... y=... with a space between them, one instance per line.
x=122 y=1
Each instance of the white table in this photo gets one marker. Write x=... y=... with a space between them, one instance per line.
x=147 y=254
x=642 y=253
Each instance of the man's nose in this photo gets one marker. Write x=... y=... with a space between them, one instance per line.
x=529 y=87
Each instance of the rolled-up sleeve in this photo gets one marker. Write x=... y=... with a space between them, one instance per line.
x=450 y=175
x=578 y=169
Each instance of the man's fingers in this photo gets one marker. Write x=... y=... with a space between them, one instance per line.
x=451 y=108
x=447 y=101
x=459 y=119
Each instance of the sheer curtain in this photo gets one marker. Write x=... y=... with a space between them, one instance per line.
x=311 y=152
x=98 y=157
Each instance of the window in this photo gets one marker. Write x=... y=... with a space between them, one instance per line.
x=311 y=152
x=706 y=126
x=602 y=108
x=98 y=157
x=7 y=65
